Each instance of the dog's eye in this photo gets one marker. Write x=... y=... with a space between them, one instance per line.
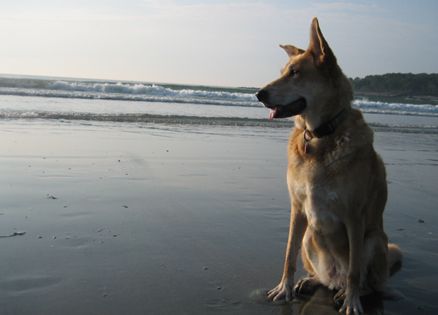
x=293 y=72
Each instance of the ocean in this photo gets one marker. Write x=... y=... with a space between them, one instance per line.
x=60 y=99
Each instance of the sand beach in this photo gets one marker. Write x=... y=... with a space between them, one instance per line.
x=111 y=218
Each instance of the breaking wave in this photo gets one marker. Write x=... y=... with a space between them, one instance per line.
x=149 y=89
x=130 y=91
x=395 y=108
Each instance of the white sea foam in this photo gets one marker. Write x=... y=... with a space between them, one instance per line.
x=149 y=89
x=397 y=108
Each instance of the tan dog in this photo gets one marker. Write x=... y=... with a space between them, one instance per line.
x=337 y=182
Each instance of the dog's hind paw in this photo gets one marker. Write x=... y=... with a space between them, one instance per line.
x=339 y=297
x=306 y=286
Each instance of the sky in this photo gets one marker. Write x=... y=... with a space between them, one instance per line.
x=222 y=43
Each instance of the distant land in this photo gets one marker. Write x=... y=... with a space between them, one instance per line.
x=421 y=88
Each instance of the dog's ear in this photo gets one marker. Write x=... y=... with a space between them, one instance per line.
x=291 y=50
x=318 y=47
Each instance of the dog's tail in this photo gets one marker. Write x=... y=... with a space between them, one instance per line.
x=395 y=258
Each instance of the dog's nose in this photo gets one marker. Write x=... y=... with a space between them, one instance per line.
x=262 y=95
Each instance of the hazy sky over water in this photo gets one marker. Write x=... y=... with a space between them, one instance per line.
x=229 y=43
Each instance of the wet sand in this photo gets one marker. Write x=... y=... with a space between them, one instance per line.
x=126 y=219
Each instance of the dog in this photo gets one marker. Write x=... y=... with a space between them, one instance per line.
x=336 y=181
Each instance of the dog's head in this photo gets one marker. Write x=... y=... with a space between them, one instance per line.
x=310 y=83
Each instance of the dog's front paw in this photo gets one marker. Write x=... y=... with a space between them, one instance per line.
x=352 y=304
x=283 y=291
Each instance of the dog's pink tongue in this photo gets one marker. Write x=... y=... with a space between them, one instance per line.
x=272 y=113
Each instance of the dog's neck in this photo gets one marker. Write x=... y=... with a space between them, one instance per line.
x=319 y=127
x=328 y=126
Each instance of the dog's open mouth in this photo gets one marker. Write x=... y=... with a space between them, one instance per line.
x=288 y=110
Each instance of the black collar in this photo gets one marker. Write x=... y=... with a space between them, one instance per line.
x=327 y=128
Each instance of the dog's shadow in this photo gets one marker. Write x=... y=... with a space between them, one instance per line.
x=321 y=302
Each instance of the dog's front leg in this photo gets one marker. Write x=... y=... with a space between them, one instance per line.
x=297 y=227
x=355 y=232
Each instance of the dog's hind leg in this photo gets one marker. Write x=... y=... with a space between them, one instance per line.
x=383 y=260
x=395 y=257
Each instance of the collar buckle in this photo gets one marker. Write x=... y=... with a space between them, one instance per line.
x=307 y=135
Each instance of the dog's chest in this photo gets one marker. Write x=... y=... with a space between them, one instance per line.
x=321 y=205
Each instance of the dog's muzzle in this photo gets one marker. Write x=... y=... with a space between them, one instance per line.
x=281 y=111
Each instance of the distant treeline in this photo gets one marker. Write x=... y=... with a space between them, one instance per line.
x=397 y=84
